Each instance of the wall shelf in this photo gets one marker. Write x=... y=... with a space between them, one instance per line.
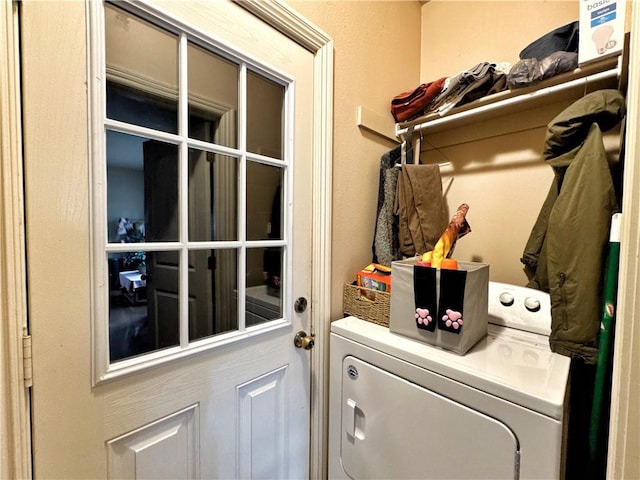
x=382 y=126
x=604 y=74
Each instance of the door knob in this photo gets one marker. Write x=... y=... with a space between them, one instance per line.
x=302 y=340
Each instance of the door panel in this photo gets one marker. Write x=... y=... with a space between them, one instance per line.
x=262 y=425
x=236 y=408
x=165 y=449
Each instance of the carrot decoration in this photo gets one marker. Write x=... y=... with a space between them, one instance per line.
x=449 y=263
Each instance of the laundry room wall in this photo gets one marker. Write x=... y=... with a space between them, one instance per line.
x=458 y=34
x=384 y=47
x=376 y=55
x=496 y=165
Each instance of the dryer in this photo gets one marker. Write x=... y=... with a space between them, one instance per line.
x=403 y=409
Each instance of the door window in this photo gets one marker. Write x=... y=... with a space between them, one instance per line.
x=196 y=173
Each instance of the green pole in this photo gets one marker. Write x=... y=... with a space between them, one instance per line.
x=597 y=430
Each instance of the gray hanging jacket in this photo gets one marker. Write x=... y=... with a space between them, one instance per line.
x=565 y=253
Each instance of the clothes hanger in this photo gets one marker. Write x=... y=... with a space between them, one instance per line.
x=407 y=146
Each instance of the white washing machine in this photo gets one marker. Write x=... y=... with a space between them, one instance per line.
x=400 y=408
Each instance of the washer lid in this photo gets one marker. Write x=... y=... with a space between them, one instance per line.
x=514 y=365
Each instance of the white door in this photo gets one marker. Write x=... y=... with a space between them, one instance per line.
x=167 y=150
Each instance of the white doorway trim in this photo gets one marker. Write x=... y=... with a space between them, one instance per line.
x=622 y=459
x=288 y=22
x=15 y=428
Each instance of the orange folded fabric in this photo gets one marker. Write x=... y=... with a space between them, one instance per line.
x=413 y=103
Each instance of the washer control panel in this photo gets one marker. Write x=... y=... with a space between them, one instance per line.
x=519 y=307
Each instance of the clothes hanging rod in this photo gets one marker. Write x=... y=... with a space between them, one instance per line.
x=441 y=164
x=522 y=98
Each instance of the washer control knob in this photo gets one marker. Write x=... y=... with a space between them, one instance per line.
x=532 y=304
x=506 y=299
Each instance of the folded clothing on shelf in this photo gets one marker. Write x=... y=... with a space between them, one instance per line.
x=462 y=84
x=564 y=38
x=530 y=71
x=412 y=103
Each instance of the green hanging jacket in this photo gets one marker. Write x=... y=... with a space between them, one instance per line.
x=565 y=253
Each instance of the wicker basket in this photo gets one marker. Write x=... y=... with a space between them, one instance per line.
x=374 y=309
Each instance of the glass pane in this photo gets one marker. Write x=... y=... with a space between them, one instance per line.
x=142 y=189
x=264 y=201
x=265 y=104
x=213 y=196
x=143 y=302
x=213 y=283
x=141 y=53
x=263 y=299
x=213 y=97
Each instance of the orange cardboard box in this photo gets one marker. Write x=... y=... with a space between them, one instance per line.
x=375 y=277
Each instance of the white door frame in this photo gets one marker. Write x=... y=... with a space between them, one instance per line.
x=15 y=427
x=622 y=423
x=15 y=459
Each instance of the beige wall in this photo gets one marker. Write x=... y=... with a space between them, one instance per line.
x=382 y=48
x=377 y=55
x=502 y=175
x=458 y=34
x=496 y=166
